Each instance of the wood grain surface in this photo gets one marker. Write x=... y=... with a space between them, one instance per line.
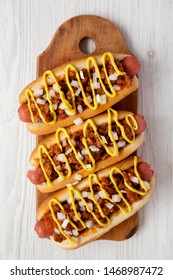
x=26 y=29
x=64 y=47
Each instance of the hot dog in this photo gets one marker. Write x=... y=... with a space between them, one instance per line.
x=77 y=215
x=73 y=153
x=131 y=65
x=82 y=88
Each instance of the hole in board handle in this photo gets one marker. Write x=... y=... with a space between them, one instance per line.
x=87 y=45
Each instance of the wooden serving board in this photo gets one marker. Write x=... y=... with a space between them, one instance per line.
x=65 y=46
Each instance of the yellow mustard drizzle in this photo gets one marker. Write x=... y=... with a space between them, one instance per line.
x=91 y=123
x=93 y=179
x=72 y=190
x=42 y=149
x=29 y=94
x=61 y=129
x=72 y=107
x=55 y=201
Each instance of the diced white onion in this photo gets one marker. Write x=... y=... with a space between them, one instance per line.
x=75 y=183
x=82 y=208
x=64 y=142
x=79 y=214
x=69 y=200
x=116 y=87
x=73 y=142
x=123 y=191
x=103 y=139
x=68 y=113
x=62 y=106
x=49 y=80
x=56 y=231
x=97 y=196
x=88 y=165
x=94 y=148
x=113 y=77
x=84 y=152
x=68 y=232
x=52 y=93
x=85 y=194
x=96 y=85
x=109 y=205
x=103 y=99
x=78 y=177
x=79 y=155
x=64 y=224
x=121 y=144
x=61 y=158
x=69 y=151
x=76 y=196
x=69 y=185
x=116 y=198
x=89 y=99
x=55 y=87
x=75 y=232
x=90 y=206
x=75 y=219
x=78 y=121
x=111 y=148
x=38 y=92
x=98 y=98
x=81 y=204
x=89 y=223
x=60 y=216
x=81 y=74
x=147 y=184
x=65 y=166
x=115 y=135
x=59 y=179
x=77 y=92
x=74 y=83
x=101 y=194
x=95 y=76
x=41 y=101
x=55 y=106
x=80 y=109
x=45 y=97
x=134 y=179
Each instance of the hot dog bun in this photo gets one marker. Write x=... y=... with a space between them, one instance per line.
x=40 y=128
x=98 y=120
x=116 y=217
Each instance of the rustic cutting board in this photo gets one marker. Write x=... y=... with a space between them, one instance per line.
x=66 y=45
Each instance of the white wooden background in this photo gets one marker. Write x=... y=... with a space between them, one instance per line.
x=26 y=28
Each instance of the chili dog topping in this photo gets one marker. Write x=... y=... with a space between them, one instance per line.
x=94 y=205
x=83 y=148
x=75 y=90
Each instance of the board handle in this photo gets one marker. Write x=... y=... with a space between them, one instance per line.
x=67 y=40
